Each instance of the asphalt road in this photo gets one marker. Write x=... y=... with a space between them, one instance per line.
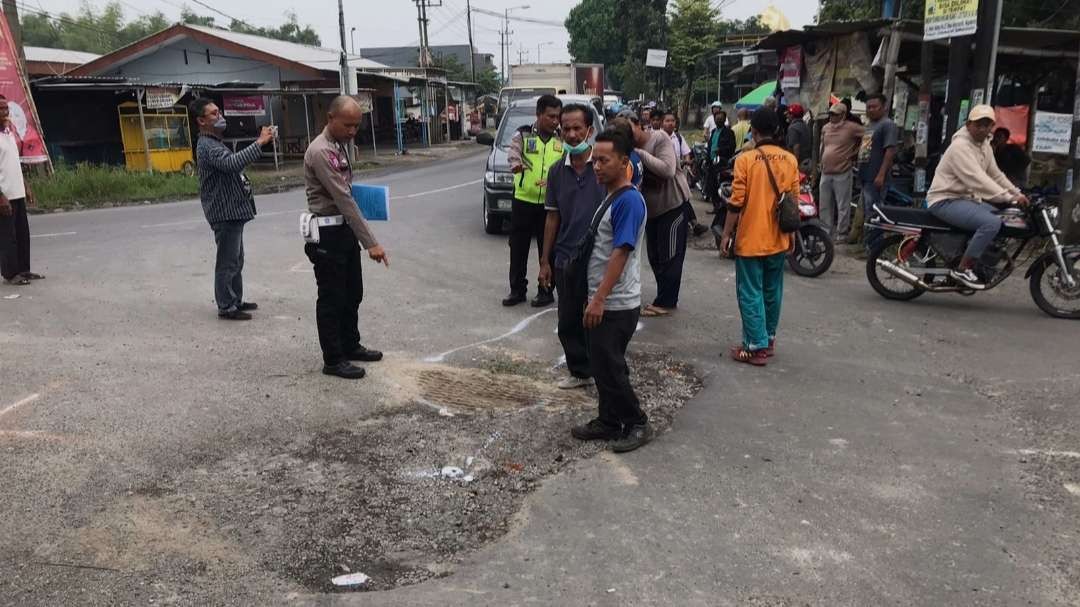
x=922 y=453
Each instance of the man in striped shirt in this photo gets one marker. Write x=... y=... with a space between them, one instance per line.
x=227 y=203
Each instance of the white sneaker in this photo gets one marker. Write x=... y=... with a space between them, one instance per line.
x=967 y=278
x=575 y=382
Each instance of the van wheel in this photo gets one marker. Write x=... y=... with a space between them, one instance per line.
x=492 y=223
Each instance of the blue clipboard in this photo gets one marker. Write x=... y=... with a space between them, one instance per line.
x=373 y=201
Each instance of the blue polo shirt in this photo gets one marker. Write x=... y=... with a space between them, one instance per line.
x=575 y=197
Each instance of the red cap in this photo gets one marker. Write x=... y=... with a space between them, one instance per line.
x=796 y=110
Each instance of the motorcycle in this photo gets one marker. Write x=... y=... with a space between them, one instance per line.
x=700 y=157
x=918 y=250
x=814 y=249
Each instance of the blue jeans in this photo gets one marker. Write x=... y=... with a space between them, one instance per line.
x=970 y=216
x=871 y=195
x=228 y=283
x=759 y=284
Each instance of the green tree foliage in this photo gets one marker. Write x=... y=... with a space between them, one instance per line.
x=694 y=33
x=104 y=30
x=486 y=78
x=594 y=33
x=618 y=33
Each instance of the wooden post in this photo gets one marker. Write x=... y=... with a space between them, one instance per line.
x=307 y=119
x=959 y=57
x=273 y=142
x=922 y=126
x=892 y=55
x=140 y=94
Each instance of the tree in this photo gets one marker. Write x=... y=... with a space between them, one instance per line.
x=594 y=33
x=487 y=79
x=643 y=24
x=290 y=30
x=191 y=18
x=693 y=35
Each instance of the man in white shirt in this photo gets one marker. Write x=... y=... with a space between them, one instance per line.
x=14 y=194
x=710 y=122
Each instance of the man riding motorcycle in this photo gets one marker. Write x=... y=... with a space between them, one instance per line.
x=966 y=176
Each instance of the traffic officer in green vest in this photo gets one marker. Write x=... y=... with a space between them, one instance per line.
x=533 y=150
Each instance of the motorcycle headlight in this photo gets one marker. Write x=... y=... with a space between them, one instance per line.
x=1053 y=213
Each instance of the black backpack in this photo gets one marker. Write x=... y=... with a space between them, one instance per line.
x=787 y=208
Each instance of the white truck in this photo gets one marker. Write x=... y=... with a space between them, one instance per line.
x=565 y=78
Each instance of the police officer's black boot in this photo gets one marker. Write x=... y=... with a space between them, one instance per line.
x=344 y=369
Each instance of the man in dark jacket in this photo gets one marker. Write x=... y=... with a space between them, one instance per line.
x=227 y=203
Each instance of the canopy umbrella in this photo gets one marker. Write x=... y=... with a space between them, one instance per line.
x=755 y=98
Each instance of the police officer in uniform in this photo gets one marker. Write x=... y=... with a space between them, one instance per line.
x=342 y=231
x=533 y=151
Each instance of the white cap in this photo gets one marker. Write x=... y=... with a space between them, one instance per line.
x=981 y=111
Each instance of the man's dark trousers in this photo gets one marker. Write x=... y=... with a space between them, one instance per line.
x=665 y=244
x=228 y=269
x=619 y=406
x=572 y=334
x=338 y=275
x=15 y=241
x=526 y=224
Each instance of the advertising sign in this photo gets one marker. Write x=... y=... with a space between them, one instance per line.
x=656 y=58
x=948 y=18
x=244 y=105
x=22 y=115
x=1052 y=133
x=589 y=79
x=158 y=98
x=790 y=66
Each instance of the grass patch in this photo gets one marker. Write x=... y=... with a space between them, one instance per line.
x=87 y=185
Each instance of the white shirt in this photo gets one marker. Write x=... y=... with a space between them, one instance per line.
x=710 y=124
x=679 y=143
x=11 y=176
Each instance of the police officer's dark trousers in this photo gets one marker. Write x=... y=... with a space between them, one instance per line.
x=338 y=275
x=526 y=225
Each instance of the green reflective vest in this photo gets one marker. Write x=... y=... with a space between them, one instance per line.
x=538 y=157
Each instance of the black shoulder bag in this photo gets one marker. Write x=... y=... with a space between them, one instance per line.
x=577 y=266
x=787 y=210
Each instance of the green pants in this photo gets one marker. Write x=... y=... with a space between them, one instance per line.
x=759 y=282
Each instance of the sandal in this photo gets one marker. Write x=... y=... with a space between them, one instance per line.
x=18 y=281
x=651 y=311
x=758 y=358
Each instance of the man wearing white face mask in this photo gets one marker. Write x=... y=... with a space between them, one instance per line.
x=227 y=202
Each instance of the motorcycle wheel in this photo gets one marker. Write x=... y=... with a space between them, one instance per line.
x=887 y=285
x=1049 y=291
x=815 y=255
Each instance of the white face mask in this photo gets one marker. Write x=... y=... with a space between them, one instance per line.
x=220 y=124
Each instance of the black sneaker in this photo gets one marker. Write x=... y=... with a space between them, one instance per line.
x=344 y=369
x=514 y=299
x=363 y=354
x=247 y=306
x=543 y=299
x=234 y=315
x=700 y=229
x=594 y=430
x=968 y=279
x=635 y=437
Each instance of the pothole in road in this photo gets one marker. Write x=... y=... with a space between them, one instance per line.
x=399 y=496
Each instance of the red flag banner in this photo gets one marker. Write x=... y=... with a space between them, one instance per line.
x=13 y=86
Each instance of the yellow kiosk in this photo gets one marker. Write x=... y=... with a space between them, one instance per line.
x=165 y=132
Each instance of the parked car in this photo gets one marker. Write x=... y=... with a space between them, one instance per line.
x=498 y=180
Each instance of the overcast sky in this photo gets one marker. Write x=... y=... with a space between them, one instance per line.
x=393 y=22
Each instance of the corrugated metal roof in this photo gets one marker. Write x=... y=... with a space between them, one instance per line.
x=318 y=57
x=58 y=55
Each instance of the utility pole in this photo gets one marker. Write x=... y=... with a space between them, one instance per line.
x=472 y=51
x=346 y=78
x=989 y=22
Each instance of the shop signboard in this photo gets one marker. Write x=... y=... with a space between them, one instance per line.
x=949 y=18
x=244 y=105
x=656 y=58
x=1052 y=133
x=790 y=66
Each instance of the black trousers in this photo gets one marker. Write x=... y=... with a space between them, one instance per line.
x=691 y=215
x=619 y=406
x=341 y=289
x=572 y=334
x=526 y=224
x=665 y=244
x=229 y=265
x=15 y=241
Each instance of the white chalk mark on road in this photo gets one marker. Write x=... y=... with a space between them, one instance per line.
x=1073 y=488
x=17 y=404
x=518 y=328
x=53 y=235
x=446 y=189
x=301 y=266
x=1046 y=452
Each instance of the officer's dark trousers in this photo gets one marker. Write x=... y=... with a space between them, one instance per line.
x=229 y=264
x=619 y=406
x=665 y=244
x=526 y=225
x=341 y=289
x=572 y=335
x=15 y=241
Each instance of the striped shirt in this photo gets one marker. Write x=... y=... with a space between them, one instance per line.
x=223 y=188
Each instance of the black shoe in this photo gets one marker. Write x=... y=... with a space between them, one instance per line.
x=514 y=299
x=344 y=369
x=700 y=229
x=635 y=437
x=543 y=299
x=247 y=306
x=362 y=354
x=594 y=430
x=234 y=315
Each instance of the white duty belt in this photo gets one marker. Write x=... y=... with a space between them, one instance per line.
x=310 y=224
